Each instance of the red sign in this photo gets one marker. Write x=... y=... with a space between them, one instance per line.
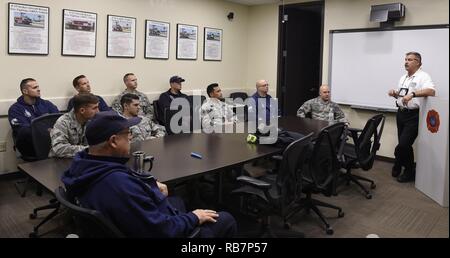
x=433 y=121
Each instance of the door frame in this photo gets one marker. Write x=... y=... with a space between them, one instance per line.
x=281 y=75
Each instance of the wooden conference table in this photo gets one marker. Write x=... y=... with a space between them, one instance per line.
x=172 y=154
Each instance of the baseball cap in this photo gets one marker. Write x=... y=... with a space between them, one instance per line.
x=105 y=124
x=176 y=79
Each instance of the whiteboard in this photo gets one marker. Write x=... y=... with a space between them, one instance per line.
x=365 y=65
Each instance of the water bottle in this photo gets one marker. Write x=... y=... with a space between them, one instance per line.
x=331 y=116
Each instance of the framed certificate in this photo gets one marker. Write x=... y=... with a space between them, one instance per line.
x=79 y=33
x=187 y=41
x=212 y=44
x=121 y=39
x=157 y=35
x=28 y=29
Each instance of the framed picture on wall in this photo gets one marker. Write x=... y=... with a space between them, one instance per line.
x=212 y=44
x=121 y=38
x=28 y=29
x=79 y=36
x=187 y=41
x=157 y=35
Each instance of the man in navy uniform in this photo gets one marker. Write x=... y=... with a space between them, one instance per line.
x=28 y=107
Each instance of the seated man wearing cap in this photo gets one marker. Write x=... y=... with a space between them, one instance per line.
x=100 y=180
x=68 y=133
x=146 y=129
x=165 y=99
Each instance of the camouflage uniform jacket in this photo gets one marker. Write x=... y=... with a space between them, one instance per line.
x=146 y=107
x=216 y=113
x=147 y=129
x=320 y=110
x=68 y=136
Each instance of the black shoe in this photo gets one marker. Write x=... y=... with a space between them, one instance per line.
x=396 y=171
x=406 y=177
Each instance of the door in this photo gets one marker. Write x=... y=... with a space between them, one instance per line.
x=300 y=54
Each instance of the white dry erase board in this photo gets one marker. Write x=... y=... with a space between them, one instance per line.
x=366 y=63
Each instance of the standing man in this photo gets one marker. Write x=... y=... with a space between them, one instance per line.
x=68 y=133
x=28 y=107
x=82 y=85
x=322 y=108
x=130 y=81
x=414 y=84
x=165 y=99
x=215 y=112
x=100 y=179
x=146 y=129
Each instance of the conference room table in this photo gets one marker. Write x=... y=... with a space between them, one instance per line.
x=172 y=154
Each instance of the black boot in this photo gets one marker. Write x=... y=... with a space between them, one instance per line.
x=407 y=176
x=396 y=170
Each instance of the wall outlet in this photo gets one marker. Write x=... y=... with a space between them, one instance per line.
x=2 y=146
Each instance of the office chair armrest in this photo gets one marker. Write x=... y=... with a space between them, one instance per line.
x=277 y=157
x=194 y=233
x=354 y=133
x=351 y=129
x=254 y=182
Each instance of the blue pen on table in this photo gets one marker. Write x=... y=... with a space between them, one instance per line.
x=196 y=155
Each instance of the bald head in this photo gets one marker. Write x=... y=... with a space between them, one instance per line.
x=324 y=92
x=262 y=87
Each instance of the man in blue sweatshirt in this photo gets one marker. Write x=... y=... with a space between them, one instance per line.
x=28 y=107
x=82 y=86
x=101 y=180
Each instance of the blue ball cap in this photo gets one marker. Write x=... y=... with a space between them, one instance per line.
x=176 y=79
x=105 y=124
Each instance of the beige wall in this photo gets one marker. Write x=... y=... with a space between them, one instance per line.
x=263 y=46
x=55 y=72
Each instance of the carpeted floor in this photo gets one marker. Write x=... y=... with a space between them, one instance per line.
x=396 y=210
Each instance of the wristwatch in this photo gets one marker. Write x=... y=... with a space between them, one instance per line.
x=414 y=94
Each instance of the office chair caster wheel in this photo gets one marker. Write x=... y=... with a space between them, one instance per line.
x=33 y=215
x=373 y=186
x=369 y=196
x=33 y=235
x=341 y=214
x=329 y=231
x=287 y=225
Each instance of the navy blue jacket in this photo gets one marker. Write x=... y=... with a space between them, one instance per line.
x=20 y=114
x=102 y=106
x=265 y=105
x=138 y=209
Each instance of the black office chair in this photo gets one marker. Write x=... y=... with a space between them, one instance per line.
x=280 y=195
x=40 y=130
x=321 y=171
x=195 y=102
x=361 y=154
x=242 y=95
x=23 y=184
x=158 y=115
x=89 y=223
